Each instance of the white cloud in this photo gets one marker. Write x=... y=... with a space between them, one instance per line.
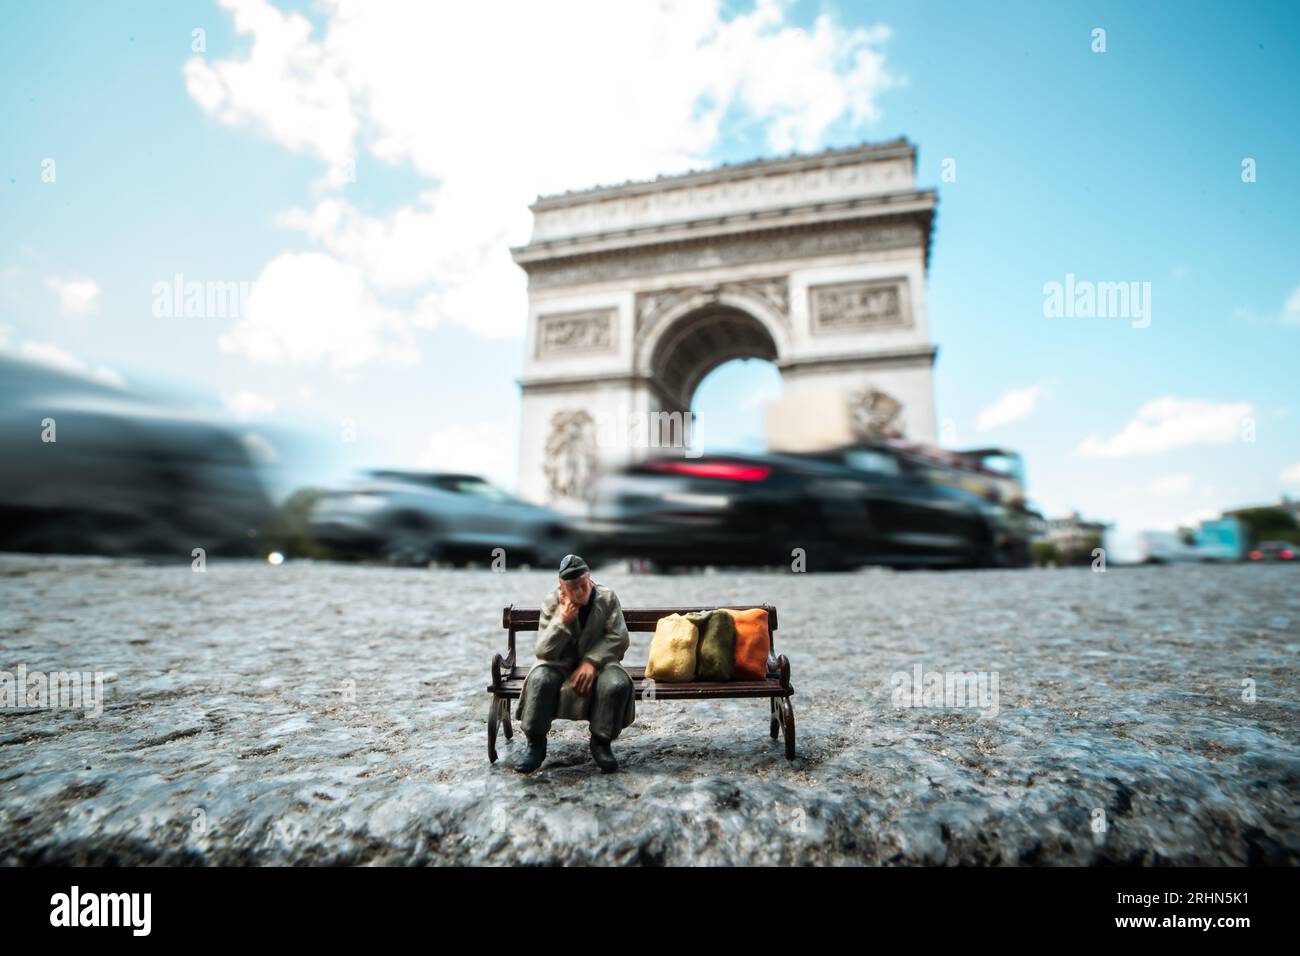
x=1291 y=476
x=1291 y=309
x=427 y=248
x=76 y=296
x=484 y=448
x=1290 y=314
x=1016 y=404
x=246 y=404
x=495 y=104
x=1171 y=485
x=53 y=357
x=310 y=309
x=288 y=85
x=1167 y=423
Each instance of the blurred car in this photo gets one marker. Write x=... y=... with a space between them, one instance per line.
x=122 y=475
x=1274 y=551
x=409 y=517
x=844 y=508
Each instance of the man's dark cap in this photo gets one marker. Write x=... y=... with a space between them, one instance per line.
x=572 y=567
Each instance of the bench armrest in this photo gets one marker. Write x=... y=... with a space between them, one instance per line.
x=502 y=667
x=780 y=669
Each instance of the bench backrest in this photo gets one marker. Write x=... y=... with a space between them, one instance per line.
x=637 y=618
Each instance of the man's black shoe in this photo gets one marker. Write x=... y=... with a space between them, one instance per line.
x=533 y=759
x=603 y=756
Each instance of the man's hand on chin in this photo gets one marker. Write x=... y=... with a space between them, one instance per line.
x=568 y=610
x=583 y=677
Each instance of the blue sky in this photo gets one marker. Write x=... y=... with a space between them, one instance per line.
x=371 y=166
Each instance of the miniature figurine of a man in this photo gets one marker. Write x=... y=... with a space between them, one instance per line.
x=581 y=638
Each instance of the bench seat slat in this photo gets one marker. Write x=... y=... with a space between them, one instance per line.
x=638 y=675
x=694 y=690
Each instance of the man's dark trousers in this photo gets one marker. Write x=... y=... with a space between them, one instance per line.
x=609 y=693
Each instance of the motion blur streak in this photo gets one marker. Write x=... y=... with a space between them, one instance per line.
x=94 y=468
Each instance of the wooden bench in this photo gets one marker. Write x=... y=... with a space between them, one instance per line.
x=508 y=677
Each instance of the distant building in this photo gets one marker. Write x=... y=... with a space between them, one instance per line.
x=1073 y=533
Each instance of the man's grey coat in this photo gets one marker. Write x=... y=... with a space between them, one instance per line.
x=603 y=642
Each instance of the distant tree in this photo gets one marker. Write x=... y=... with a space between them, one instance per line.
x=1083 y=554
x=1045 y=553
x=291 y=531
x=1269 y=524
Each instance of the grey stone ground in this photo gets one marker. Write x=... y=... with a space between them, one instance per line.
x=228 y=735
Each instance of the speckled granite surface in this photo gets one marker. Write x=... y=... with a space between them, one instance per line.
x=317 y=713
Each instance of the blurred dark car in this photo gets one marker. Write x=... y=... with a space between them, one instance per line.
x=124 y=475
x=409 y=517
x=845 y=508
x=1274 y=551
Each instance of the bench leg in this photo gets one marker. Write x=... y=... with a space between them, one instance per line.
x=494 y=709
x=505 y=719
x=787 y=725
x=774 y=727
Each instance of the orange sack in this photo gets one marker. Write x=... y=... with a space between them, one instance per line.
x=753 y=644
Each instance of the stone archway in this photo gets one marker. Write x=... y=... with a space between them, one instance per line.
x=636 y=292
x=701 y=334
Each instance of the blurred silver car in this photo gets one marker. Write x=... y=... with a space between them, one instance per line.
x=409 y=517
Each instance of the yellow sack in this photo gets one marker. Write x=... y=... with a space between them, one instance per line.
x=672 y=651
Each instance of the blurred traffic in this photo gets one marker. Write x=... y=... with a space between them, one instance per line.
x=89 y=467
x=1274 y=551
x=94 y=467
x=415 y=518
x=885 y=503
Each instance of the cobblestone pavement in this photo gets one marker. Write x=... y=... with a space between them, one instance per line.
x=318 y=713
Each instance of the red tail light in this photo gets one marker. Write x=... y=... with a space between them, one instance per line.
x=712 y=469
x=1288 y=554
x=1256 y=555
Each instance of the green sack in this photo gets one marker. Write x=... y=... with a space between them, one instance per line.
x=715 y=656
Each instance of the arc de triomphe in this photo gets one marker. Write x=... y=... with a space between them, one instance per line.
x=637 y=291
